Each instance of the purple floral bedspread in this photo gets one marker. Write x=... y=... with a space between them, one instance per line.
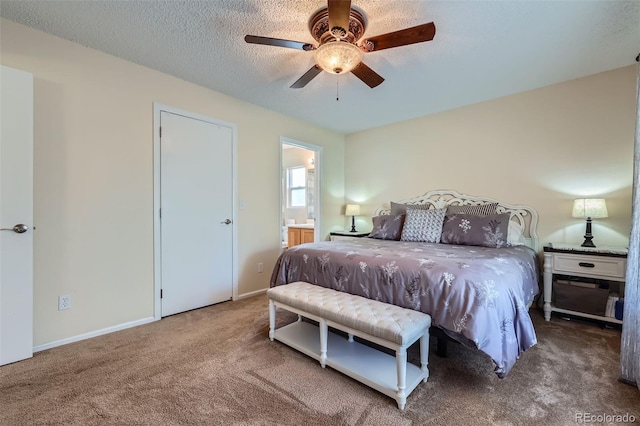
x=478 y=295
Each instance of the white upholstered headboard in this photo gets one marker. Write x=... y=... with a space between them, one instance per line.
x=525 y=216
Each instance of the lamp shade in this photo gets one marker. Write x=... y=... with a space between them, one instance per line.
x=590 y=207
x=352 y=210
x=338 y=57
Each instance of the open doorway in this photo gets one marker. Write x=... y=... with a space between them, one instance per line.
x=299 y=192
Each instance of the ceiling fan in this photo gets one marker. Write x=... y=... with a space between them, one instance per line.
x=337 y=29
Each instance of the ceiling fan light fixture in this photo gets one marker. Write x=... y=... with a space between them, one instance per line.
x=338 y=57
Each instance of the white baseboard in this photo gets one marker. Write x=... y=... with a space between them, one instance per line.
x=119 y=327
x=93 y=334
x=251 y=294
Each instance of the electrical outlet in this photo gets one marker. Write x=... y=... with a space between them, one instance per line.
x=64 y=302
x=260 y=267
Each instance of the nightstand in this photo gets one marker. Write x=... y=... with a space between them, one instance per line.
x=593 y=272
x=343 y=235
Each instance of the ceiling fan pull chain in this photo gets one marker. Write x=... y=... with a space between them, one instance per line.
x=337 y=84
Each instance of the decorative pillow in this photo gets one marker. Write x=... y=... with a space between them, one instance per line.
x=515 y=234
x=423 y=225
x=474 y=230
x=387 y=227
x=399 y=208
x=478 y=209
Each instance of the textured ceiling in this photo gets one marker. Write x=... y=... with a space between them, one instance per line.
x=482 y=49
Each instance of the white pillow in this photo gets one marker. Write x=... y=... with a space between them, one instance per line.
x=515 y=234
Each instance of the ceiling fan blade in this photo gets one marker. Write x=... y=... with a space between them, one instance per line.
x=278 y=42
x=307 y=77
x=367 y=75
x=339 y=12
x=417 y=34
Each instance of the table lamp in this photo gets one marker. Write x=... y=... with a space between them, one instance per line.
x=352 y=210
x=589 y=208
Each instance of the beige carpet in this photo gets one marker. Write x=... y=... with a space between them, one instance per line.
x=216 y=365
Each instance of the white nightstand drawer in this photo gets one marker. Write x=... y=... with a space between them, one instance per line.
x=610 y=268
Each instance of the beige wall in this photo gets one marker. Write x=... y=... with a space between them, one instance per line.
x=94 y=179
x=541 y=148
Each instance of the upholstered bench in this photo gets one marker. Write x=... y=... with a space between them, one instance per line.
x=387 y=325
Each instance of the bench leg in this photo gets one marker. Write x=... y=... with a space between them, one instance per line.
x=350 y=337
x=272 y=319
x=424 y=355
x=324 y=330
x=401 y=365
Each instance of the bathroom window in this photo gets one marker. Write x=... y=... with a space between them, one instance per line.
x=297 y=186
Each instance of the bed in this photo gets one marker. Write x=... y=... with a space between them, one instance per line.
x=478 y=295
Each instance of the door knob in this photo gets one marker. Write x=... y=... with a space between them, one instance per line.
x=18 y=229
x=226 y=222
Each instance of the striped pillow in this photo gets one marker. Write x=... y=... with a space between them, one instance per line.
x=477 y=209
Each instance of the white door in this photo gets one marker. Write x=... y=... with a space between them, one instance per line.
x=196 y=201
x=16 y=211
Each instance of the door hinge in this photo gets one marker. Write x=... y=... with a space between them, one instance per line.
x=160 y=293
x=160 y=131
x=160 y=213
